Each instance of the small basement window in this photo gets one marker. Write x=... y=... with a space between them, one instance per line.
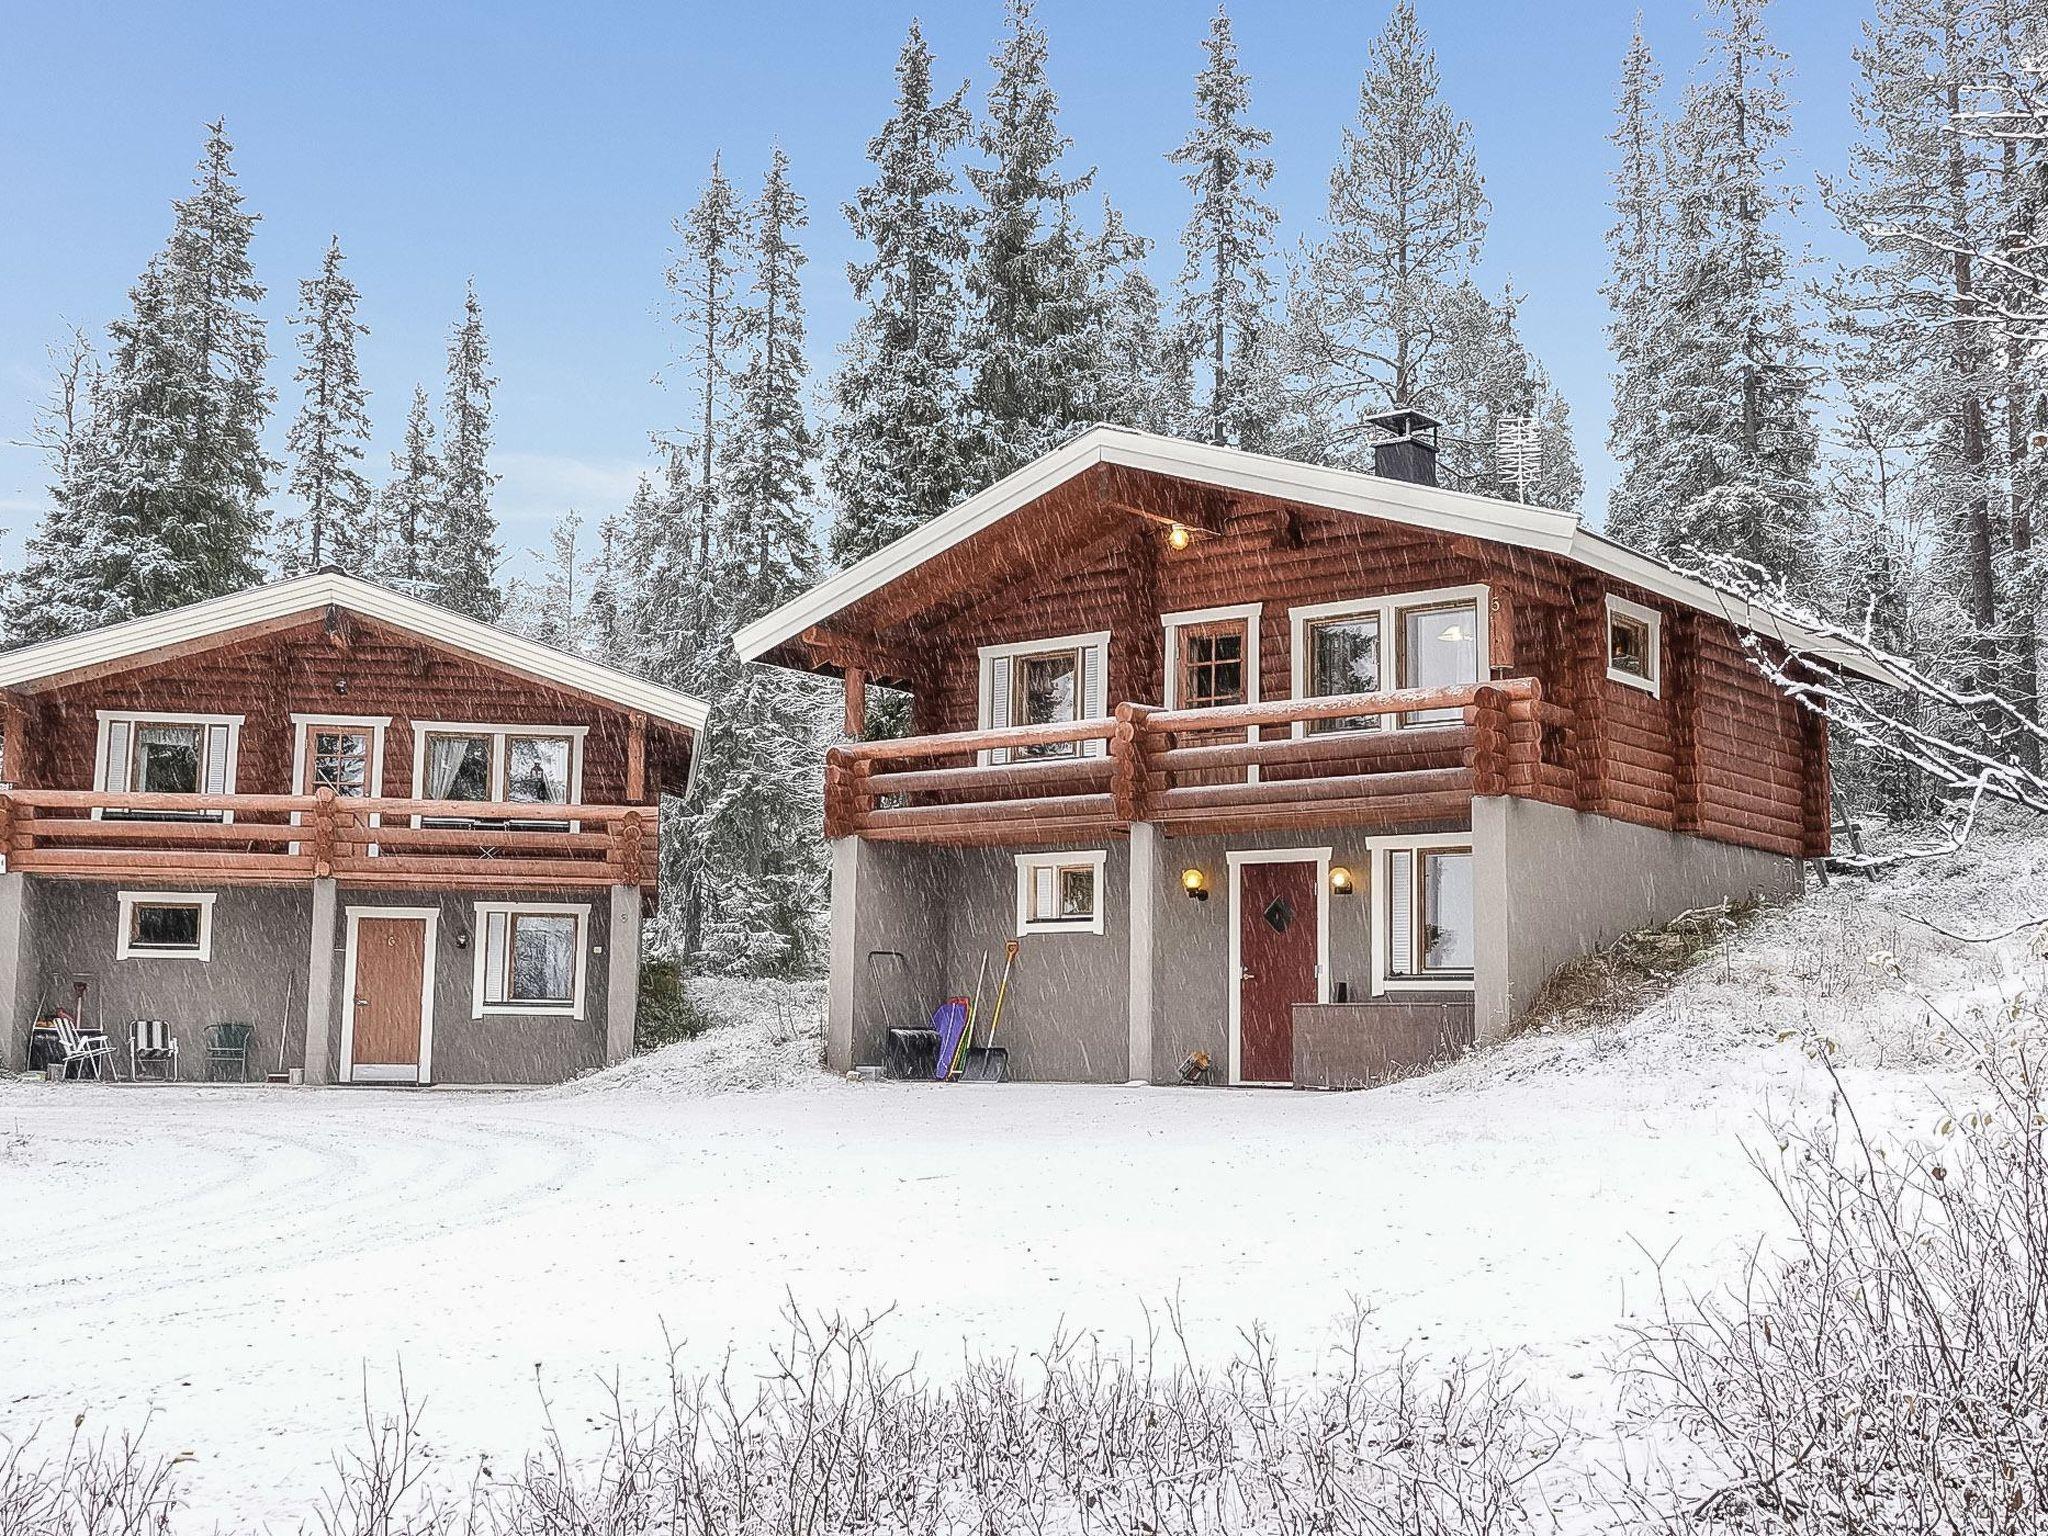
x=1060 y=892
x=1633 y=649
x=531 y=958
x=1428 y=933
x=166 y=925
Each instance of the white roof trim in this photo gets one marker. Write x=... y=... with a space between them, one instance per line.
x=1344 y=490
x=279 y=599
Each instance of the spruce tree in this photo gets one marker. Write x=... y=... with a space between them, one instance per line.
x=704 y=276
x=326 y=442
x=1406 y=215
x=1141 y=377
x=213 y=300
x=409 y=507
x=1224 y=296
x=159 y=500
x=1030 y=350
x=894 y=459
x=758 y=828
x=605 y=617
x=1487 y=380
x=461 y=543
x=1737 y=466
x=1637 y=241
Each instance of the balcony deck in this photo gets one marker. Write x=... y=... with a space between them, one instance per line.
x=1209 y=770
x=87 y=834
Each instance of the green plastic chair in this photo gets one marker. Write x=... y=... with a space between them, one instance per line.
x=227 y=1051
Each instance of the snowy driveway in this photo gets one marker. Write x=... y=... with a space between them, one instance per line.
x=235 y=1260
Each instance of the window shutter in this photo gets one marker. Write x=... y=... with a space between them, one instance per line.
x=1094 y=693
x=114 y=768
x=217 y=739
x=1400 y=914
x=1044 y=892
x=996 y=707
x=494 y=957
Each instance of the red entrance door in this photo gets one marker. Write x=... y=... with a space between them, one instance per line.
x=1277 y=950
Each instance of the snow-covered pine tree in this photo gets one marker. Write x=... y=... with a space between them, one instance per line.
x=161 y=502
x=461 y=543
x=1223 y=299
x=213 y=300
x=1738 y=370
x=894 y=456
x=1636 y=242
x=408 y=508
x=1938 y=312
x=334 y=524
x=758 y=829
x=554 y=613
x=1141 y=376
x=1406 y=215
x=1029 y=348
x=1487 y=379
x=685 y=633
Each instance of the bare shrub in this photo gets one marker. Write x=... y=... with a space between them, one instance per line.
x=1887 y=1369
x=94 y=1487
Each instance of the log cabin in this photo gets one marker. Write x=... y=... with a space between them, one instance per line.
x=1315 y=772
x=401 y=846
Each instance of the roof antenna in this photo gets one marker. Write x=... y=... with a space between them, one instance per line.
x=1518 y=453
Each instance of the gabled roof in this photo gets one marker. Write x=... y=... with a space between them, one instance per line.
x=190 y=627
x=1258 y=474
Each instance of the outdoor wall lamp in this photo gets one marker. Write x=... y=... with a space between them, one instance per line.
x=1195 y=883
x=1340 y=881
x=1180 y=536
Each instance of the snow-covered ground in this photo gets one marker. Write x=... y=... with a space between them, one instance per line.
x=238 y=1266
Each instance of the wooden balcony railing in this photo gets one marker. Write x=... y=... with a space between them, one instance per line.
x=244 y=838
x=1210 y=769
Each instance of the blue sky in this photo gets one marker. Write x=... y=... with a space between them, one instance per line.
x=543 y=149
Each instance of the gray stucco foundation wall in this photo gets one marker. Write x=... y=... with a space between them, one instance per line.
x=499 y=1047
x=1552 y=884
x=257 y=974
x=1192 y=983
x=940 y=910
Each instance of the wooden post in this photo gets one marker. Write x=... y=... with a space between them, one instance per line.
x=1128 y=784
x=636 y=759
x=14 y=742
x=1682 y=680
x=1500 y=629
x=1587 y=654
x=323 y=833
x=838 y=793
x=856 y=703
x=1816 y=800
x=1487 y=757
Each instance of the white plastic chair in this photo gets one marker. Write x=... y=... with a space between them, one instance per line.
x=151 y=1044
x=99 y=1050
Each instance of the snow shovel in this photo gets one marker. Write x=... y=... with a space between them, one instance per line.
x=990 y=1063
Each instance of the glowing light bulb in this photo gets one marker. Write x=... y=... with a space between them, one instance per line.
x=1180 y=536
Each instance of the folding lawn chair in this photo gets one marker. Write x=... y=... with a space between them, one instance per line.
x=77 y=1050
x=151 y=1044
x=227 y=1051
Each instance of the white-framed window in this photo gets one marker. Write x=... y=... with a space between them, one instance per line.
x=161 y=752
x=1635 y=648
x=531 y=957
x=1045 y=682
x=1423 y=934
x=1060 y=892
x=522 y=764
x=165 y=925
x=1374 y=645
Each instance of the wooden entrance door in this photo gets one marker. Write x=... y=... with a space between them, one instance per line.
x=389 y=982
x=1278 y=948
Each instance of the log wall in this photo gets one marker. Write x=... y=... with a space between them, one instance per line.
x=1718 y=751
x=379 y=671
